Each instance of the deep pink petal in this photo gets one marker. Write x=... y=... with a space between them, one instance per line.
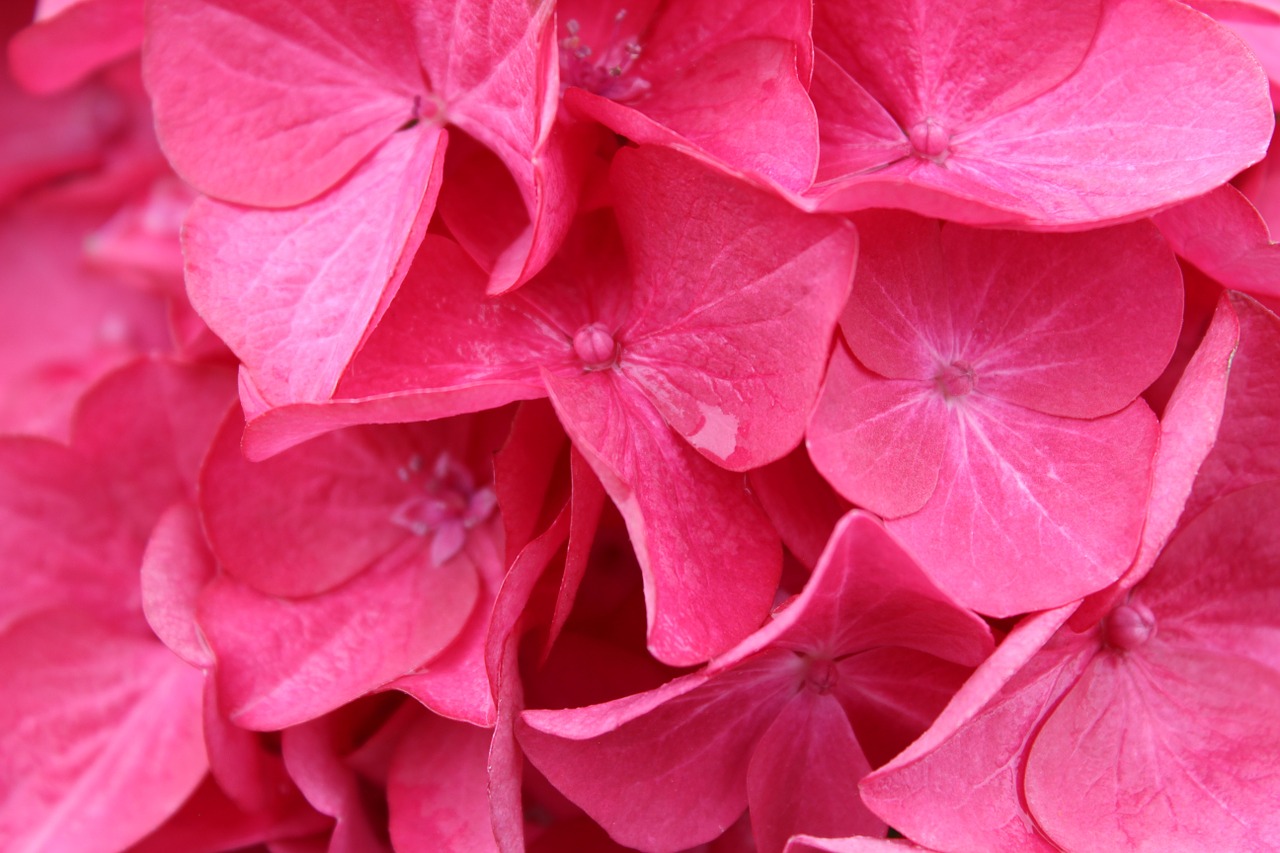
x=960 y=62
x=709 y=575
x=856 y=133
x=175 y=569
x=60 y=49
x=102 y=737
x=803 y=508
x=1248 y=447
x=63 y=536
x=271 y=105
x=1066 y=152
x=313 y=517
x=1053 y=508
x=437 y=791
x=1188 y=432
x=866 y=593
x=804 y=775
x=958 y=786
x=283 y=661
x=1225 y=236
x=878 y=442
x=1178 y=748
x=295 y=292
x=859 y=844
x=1215 y=586
x=736 y=297
x=634 y=764
x=742 y=104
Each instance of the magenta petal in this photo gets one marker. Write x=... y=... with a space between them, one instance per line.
x=437 y=789
x=101 y=734
x=709 y=575
x=804 y=775
x=1064 y=151
x=634 y=764
x=735 y=302
x=270 y=105
x=295 y=292
x=283 y=661
x=82 y=36
x=1175 y=747
x=878 y=442
x=175 y=568
x=1054 y=507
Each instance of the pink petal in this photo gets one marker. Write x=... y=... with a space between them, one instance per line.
x=1214 y=587
x=860 y=844
x=309 y=519
x=957 y=787
x=709 y=576
x=295 y=292
x=1172 y=746
x=1247 y=451
x=742 y=104
x=102 y=738
x=735 y=302
x=175 y=569
x=804 y=775
x=958 y=62
x=272 y=105
x=634 y=764
x=803 y=508
x=1064 y=151
x=856 y=133
x=437 y=791
x=1069 y=496
x=1188 y=432
x=64 y=537
x=1225 y=236
x=686 y=32
x=63 y=48
x=878 y=442
x=283 y=661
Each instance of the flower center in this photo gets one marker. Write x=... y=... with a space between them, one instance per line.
x=605 y=71
x=595 y=347
x=821 y=675
x=955 y=380
x=929 y=140
x=1129 y=626
x=444 y=502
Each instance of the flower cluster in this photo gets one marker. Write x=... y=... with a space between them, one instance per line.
x=588 y=425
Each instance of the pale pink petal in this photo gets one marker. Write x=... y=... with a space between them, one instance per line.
x=101 y=734
x=879 y=442
x=61 y=49
x=1034 y=511
x=272 y=104
x=804 y=775
x=635 y=764
x=437 y=790
x=1177 y=748
x=709 y=575
x=736 y=299
x=295 y=292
